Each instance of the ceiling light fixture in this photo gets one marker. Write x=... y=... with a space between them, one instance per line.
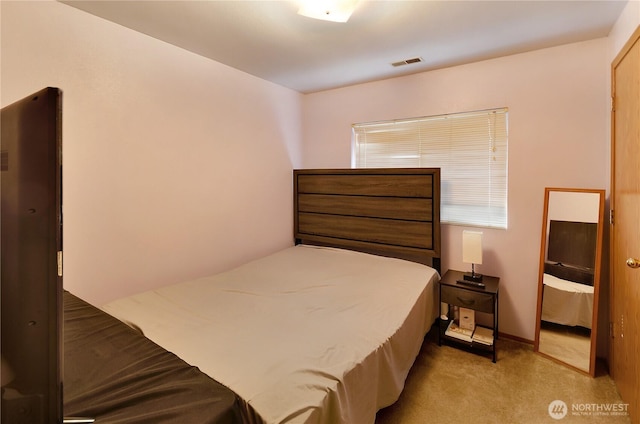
x=328 y=10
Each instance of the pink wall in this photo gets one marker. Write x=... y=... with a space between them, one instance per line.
x=558 y=136
x=175 y=166
x=627 y=23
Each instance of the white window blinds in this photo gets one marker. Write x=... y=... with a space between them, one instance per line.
x=470 y=148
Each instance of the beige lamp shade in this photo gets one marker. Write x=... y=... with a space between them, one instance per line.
x=472 y=247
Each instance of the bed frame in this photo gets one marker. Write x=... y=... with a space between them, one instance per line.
x=391 y=212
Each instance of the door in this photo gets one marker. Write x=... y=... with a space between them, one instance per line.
x=625 y=231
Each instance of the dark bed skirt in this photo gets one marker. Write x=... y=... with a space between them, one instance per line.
x=116 y=375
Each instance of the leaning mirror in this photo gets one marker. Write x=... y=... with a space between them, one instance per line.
x=569 y=277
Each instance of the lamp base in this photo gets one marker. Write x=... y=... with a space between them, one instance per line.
x=472 y=276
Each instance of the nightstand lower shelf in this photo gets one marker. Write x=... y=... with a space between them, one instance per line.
x=472 y=346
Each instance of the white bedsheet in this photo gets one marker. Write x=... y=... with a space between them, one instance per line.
x=566 y=302
x=306 y=335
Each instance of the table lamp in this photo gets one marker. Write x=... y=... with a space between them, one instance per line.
x=472 y=253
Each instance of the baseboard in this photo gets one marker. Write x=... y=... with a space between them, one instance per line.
x=515 y=338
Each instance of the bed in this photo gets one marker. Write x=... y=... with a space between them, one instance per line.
x=324 y=331
x=115 y=375
x=567 y=302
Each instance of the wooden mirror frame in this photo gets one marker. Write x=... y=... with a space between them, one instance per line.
x=596 y=276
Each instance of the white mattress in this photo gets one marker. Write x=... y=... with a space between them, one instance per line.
x=306 y=335
x=567 y=303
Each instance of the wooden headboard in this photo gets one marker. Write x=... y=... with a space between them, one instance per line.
x=389 y=212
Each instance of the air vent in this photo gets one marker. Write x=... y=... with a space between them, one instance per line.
x=407 y=61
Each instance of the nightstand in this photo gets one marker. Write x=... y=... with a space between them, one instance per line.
x=479 y=299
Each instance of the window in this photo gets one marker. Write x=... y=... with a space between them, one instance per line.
x=470 y=148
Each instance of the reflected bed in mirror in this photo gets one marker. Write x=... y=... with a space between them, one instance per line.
x=570 y=256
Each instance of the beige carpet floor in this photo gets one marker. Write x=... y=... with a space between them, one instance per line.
x=450 y=385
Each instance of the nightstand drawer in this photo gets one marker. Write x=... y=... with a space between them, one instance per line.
x=467 y=299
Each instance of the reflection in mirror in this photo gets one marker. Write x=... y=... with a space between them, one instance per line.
x=569 y=278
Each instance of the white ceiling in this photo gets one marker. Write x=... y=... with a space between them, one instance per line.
x=270 y=40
